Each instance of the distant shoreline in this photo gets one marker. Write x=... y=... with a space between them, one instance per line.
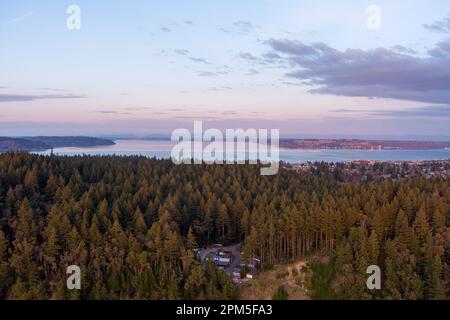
x=162 y=150
x=44 y=143
x=361 y=144
x=339 y=144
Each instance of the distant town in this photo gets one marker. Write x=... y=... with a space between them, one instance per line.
x=363 y=144
x=369 y=170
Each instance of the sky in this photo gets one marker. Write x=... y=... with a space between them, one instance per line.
x=361 y=69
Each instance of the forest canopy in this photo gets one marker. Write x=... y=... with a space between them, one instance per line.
x=131 y=223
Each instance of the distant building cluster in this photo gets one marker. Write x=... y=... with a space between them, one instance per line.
x=369 y=170
x=358 y=144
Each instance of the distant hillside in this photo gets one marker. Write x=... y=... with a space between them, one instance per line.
x=59 y=142
x=15 y=144
x=46 y=143
x=362 y=144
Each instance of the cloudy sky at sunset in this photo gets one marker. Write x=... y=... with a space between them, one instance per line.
x=309 y=68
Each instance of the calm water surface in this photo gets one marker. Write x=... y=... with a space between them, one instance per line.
x=162 y=149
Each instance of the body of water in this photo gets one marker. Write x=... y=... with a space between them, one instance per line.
x=162 y=150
